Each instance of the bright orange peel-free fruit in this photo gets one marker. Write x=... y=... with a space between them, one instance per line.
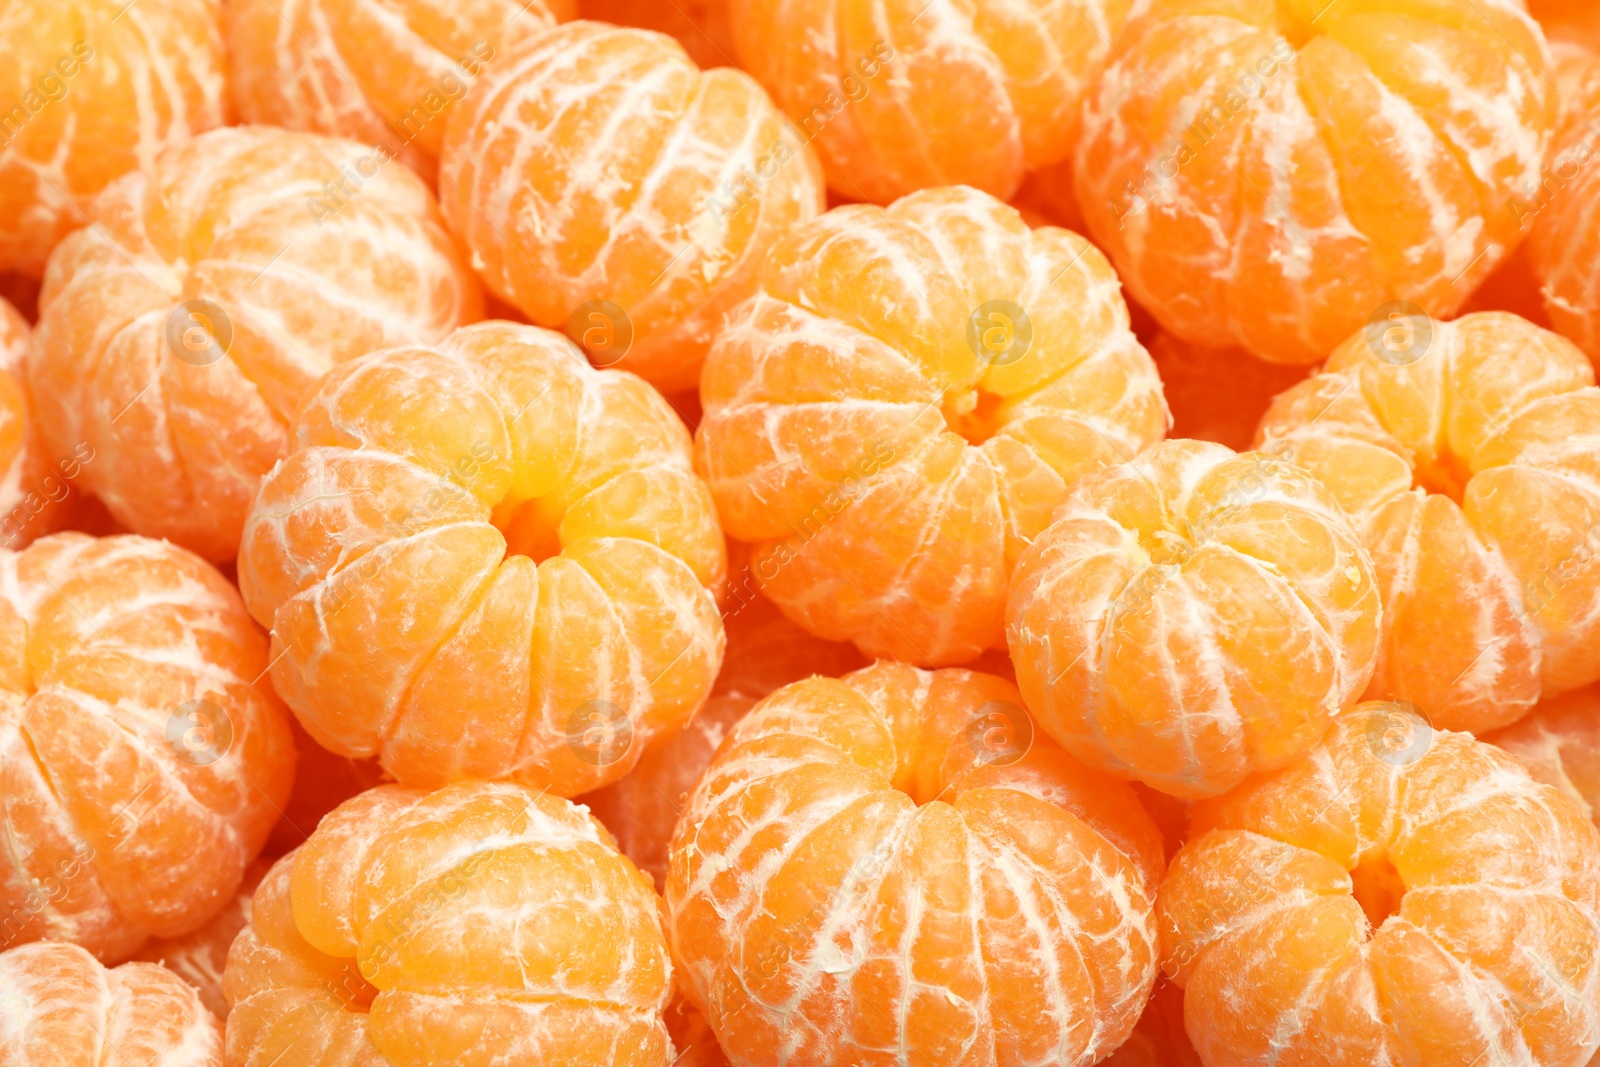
x=638 y=244
x=1218 y=394
x=901 y=96
x=488 y=559
x=59 y=1007
x=382 y=72
x=1267 y=173
x=93 y=89
x=180 y=332
x=1400 y=896
x=701 y=26
x=898 y=411
x=1467 y=454
x=143 y=757
x=893 y=868
x=482 y=925
x=1193 y=617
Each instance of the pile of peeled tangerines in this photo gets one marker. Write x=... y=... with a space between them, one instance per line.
x=757 y=533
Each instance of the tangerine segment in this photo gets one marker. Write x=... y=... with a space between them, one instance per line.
x=694 y=1042
x=60 y=1008
x=181 y=331
x=1399 y=896
x=1264 y=173
x=636 y=244
x=199 y=958
x=480 y=924
x=1559 y=744
x=488 y=559
x=701 y=26
x=1193 y=617
x=902 y=95
x=891 y=867
x=1466 y=452
x=894 y=416
x=143 y=757
x=765 y=651
x=1562 y=208
x=33 y=488
x=93 y=90
x=382 y=72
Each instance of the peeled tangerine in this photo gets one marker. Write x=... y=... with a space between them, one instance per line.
x=33 y=487
x=482 y=924
x=891 y=868
x=701 y=26
x=1559 y=744
x=180 y=331
x=60 y=1008
x=143 y=757
x=765 y=651
x=897 y=412
x=93 y=89
x=901 y=96
x=1468 y=455
x=1267 y=173
x=382 y=72
x=635 y=242
x=488 y=559
x=1193 y=617
x=1399 y=897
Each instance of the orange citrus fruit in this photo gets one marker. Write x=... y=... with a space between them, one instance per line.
x=382 y=72
x=1400 y=896
x=901 y=95
x=1218 y=394
x=480 y=924
x=898 y=410
x=893 y=868
x=59 y=1007
x=1561 y=209
x=637 y=244
x=34 y=488
x=1559 y=744
x=765 y=651
x=322 y=781
x=1193 y=617
x=1467 y=455
x=1266 y=173
x=488 y=559
x=143 y=756
x=693 y=1041
x=97 y=88
x=180 y=331
x=701 y=26
x=1568 y=20
x=199 y=958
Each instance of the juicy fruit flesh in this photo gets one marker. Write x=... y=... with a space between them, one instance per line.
x=1373 y=906
x=896 y=413
x=61 y=1008
x=1268 y=174
x=1473 y=476
x=561 y=672
x=181 y=331
x=480 y=924
x=636 y=245
x=142 y=759
x=866 y=857
x=1193 y=617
